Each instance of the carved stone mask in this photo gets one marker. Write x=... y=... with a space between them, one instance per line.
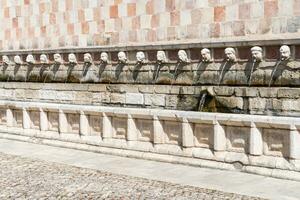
x=5 y=60
x=206 y=57
x=30 y=59
x=161 y=56
x=140 y=57
x=44 y=59
x=256 y=53
x=57 y=58
x=104 y=57
x=230 y=54
x=18 y=60
x=182 y=56
x=285 y=52
x=87 y=58
x=122 y=57
x=72 y=58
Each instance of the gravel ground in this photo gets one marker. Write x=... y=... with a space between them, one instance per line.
x=23 y=178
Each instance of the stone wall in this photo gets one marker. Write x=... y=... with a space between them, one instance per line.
x=225 y=99
x=40 y=24
x=265 y=145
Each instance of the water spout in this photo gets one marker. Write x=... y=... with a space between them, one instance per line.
x=273 y=72
x=176 y=69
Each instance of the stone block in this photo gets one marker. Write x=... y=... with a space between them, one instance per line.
x=224 y=91
x=257 y=103
x=146 y=89
x=289 y=93
x=276 y=142
x=268 y=92
x=134 y=98
x=144 y=129
x=117 y=98
x=291 y=105
x=119 y=128
x=97 y=88
x=155 y=100
x=173 y=132
x=171 y=101
x=83 y=97
x=238 y=138
x=230 y=102
x=246 y=92
x=203 y=135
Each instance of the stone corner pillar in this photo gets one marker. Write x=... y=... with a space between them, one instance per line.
x=158 y=131
x=26 y=118
x=131 y=129
x=107 y=129
x=43 y=120
x=187 y=134
x=256 y=141
x=83 y=124
x=294 y=148
x=63 y=122
x=219 y=137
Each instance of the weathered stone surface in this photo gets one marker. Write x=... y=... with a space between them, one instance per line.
x=288 y=93
x=117 y=98
x=134 y=98
x=230 y=102
x=246 y=92
x=155 y=100
x=224 y=91
x=268 y=92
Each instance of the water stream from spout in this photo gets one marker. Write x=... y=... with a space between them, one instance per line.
x=251 y=72
x=202 y=101
x=157 y=72
x=273 y=73
x=221 y=74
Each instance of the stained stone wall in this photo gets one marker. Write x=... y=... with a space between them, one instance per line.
x=40 y=24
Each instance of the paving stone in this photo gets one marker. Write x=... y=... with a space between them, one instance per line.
x=26 y=178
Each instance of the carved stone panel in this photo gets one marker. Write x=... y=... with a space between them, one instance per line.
x=119 y=127
x=203 y=135
x=144 y=129
x=276 y=142
x=35 y=119
x=95 y=122
x=18 y=118
x=73 y=122
x=237 y=138
x=53 y=124
x=173 y=132
x=2 y=116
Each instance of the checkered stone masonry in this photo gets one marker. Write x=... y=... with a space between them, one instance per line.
x=40 y=24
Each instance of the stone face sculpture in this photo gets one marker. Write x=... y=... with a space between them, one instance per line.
x=140 y=57
x=230 y=54
x=206 y=57
x=161 y=57
x=87 y=58
x=18 y=60
x=182 y=56
x=122 y=57
x=44 y=59
x=57 y=58
x=30 y=59
x=256 y=53
x=285 y=52
x=104 y=57
x=72 y=58
x=5 y=60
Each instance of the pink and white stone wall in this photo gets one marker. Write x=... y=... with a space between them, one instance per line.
x=44 y=24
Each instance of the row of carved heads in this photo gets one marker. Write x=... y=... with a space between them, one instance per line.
x=230 y=56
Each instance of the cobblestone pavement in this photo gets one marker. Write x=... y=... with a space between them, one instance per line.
x=23 y=178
